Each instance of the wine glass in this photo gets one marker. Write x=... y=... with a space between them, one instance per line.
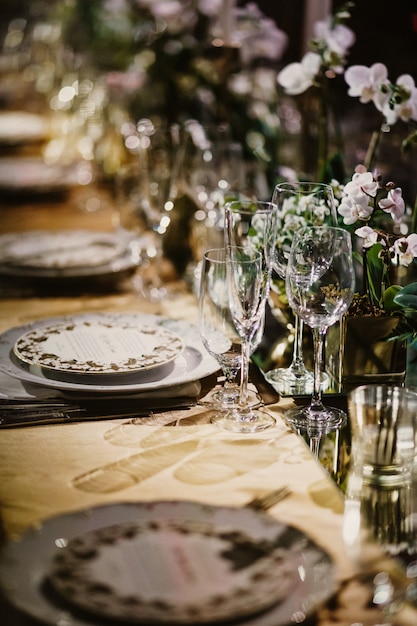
x=213 y=170
x=320 y=284
x=153 y=176
x=218 y=332
x=250 y=230
x=300 y=204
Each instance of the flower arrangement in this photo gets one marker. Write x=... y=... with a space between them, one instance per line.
x=373 y=210
x=209 y=60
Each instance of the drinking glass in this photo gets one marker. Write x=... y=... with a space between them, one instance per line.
x=217 y=330
x=153 y=177
x=380 y=505
x=250 y=231
x=320 y=285
x=300 y=204
x=213 y=170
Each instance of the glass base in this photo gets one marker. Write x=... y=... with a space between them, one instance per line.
x=314 y=419
x=251 y=422
x=219 y=399
x=288 y=383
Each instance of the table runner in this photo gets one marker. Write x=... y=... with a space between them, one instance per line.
x=54 y=469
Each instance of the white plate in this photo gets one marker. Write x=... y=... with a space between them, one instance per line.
x=32 y=174
x=26 y=565
x=193 y=363
x=18 y=127
x=63 y=254
x=98 y=347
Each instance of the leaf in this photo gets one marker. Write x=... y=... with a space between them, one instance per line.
x=375 y=271
x=411 y=288
x=388 y=299
x=407 y=296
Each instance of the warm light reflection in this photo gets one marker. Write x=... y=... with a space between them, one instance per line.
x=61 y=542
x=352 y=523
x=66 y=94
x=132 y=142
x=200 y=215
x=384 y=589
x=302 y=572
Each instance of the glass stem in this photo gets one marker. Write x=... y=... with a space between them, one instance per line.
x=297 y=364
x=315 y=445
x=318 y=338
x=230 y=374
x=244 y=375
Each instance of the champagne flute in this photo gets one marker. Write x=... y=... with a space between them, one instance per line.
x=250 y=231
x=320 y=284
x=218 y=332
x=300 y=204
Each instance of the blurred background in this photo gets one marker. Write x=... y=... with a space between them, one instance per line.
x=89 y=72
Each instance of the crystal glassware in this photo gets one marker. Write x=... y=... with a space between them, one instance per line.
x=300 y=204
x=250 y=230
x=319 y=284
x=147 y=192
x=218 y=332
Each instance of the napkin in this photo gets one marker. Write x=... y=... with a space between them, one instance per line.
x=12 y=388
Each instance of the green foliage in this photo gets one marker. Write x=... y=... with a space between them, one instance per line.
x=406 y=301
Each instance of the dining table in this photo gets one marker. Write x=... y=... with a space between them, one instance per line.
x=164 y=450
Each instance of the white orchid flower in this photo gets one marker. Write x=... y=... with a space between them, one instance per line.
x=406 y=110
x=338 y=38
x=365 y=83
x=296 y=78
x=362 y=183
x=353 y=208
x=405 y=249
x=393 y=204
x=368 y=234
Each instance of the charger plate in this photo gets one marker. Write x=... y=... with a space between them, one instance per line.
x=98 y=346
x=21 y=127
x=65 y=255
x=32 y=175
x=165 y=562
x=194 y=362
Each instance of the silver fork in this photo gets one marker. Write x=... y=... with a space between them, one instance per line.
x=268 y=500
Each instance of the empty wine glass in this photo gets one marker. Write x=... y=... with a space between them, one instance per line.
x=250 y=230
x=213 y=170
x=152 y=180
x=218 y=332
x=300 y=204
x=319 y=284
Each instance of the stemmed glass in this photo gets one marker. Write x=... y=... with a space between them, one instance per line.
x=250 y=231
x=217 y=330
x=153 y=178
x=214 y=173
x=320 y=284
x=300 y=204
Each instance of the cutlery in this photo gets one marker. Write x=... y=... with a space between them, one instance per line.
x=269 y=499
x=21 y=413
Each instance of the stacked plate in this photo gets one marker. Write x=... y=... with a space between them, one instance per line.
x=70 y=255
x=106 y=353
x=21 y=127
x=31 y=175
x=174 y=562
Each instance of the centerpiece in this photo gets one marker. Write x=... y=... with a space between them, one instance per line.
x=382 y=315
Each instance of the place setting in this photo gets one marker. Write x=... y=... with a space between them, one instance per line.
x=19 y=128
x=65 y=257
x=83 y=365
x=166 y=562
